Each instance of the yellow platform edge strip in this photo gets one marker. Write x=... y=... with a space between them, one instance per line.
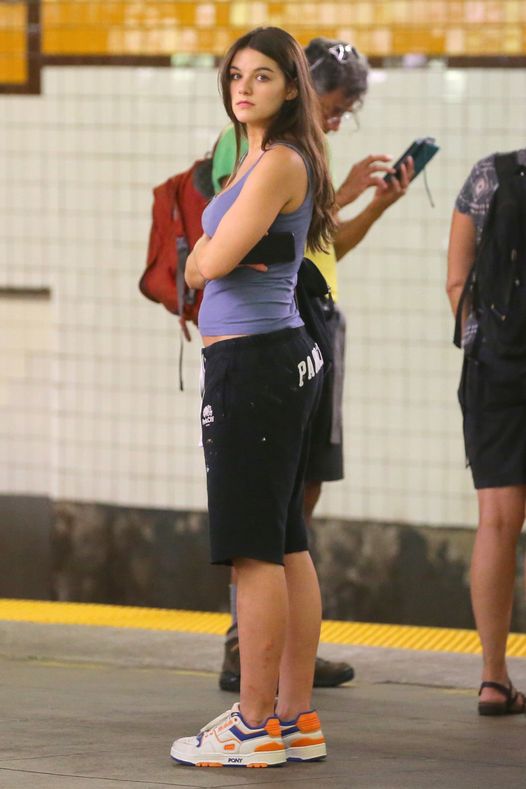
x=435 y=639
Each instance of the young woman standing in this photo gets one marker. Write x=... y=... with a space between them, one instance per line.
x=262 y=380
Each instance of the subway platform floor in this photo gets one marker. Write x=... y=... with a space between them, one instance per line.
x=96 y=707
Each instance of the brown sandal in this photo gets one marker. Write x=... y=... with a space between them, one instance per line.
x=506 y=707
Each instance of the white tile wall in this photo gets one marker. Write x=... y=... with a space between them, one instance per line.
x=89 y=397
x=404 y=454
x=26 y=351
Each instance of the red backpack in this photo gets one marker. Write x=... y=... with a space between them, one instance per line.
x=176 y=226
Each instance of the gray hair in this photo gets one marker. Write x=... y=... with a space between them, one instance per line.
x=337 y=65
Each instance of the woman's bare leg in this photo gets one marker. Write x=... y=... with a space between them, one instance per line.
x=501 y=516
x=262 y=614
x=303 y=633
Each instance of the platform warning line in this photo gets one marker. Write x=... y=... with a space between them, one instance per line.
x=435 y=639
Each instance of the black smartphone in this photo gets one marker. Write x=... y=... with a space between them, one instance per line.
x=421 y=151
x=273 y=248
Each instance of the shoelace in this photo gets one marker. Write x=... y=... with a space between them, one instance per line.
x=220 y=719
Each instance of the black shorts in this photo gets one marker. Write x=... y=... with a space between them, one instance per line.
x=325 y=462
x=494 y=410
x=259 y=395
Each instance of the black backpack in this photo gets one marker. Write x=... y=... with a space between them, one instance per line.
x=315 y=306
x=497 y=280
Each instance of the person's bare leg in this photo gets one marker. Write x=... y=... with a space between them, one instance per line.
x=312 y=493
x=262 y=614
x=303 y=633
x=501 y=516
x=328 y=673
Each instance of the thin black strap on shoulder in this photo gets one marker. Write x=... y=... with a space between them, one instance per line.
x=468 y=285
x=506 y=165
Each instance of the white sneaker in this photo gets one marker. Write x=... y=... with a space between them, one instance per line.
x=228 y=741
x=303 y=738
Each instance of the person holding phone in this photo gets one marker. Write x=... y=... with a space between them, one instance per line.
x=262 y=379
x=339 y=74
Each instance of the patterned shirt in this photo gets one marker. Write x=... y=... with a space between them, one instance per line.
x=476 y=194
x=474 y=200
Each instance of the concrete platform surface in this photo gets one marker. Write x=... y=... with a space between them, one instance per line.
x=408 y=722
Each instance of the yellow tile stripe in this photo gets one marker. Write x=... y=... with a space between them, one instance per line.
x=13 y=23
x=98 y=615
x=377 y=27
x=436 y=639
x=169 y=27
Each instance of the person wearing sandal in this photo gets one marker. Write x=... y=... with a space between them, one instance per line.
x=492 y=396
x=262 y=380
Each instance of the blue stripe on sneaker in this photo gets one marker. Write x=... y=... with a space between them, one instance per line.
x=245 y=736
x=290 y=730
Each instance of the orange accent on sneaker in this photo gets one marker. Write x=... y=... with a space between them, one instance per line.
x=271 y=746
x=230 y=747
x=303 y=741
x=309 y=721
x=257 y=764
x=273 y=728
x=208 y=764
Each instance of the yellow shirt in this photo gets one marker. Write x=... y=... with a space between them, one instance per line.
x=326 y=261
x=327 y=264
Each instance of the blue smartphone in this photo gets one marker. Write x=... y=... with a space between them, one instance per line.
x=421 y=151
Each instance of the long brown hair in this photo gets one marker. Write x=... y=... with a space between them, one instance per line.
x=298 y=121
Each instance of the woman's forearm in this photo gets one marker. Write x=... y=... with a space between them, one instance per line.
x=193 y=277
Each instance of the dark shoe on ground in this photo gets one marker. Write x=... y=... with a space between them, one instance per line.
x=229 y=679
x=326 y=673
x=513 y=703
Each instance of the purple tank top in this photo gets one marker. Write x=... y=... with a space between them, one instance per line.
x=247 y=301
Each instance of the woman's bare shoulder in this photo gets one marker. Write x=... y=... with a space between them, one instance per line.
x=279 y=176
x=285 y=159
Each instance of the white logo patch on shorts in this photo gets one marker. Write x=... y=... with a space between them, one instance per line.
x=208 y=416
x=310 y=366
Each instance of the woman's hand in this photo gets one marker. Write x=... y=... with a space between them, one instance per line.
x=255 y=266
